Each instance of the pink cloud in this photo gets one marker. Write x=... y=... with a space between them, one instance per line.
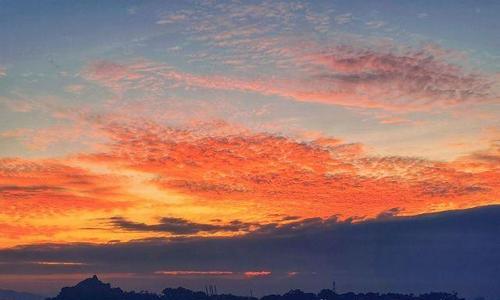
x=215 y=273
x=252 y=274
x=292 y=274
x=195 y=273
x=405 y=80
x=18 y=105
x=75 y=88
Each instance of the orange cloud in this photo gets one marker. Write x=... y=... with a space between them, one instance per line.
x=273 y=174
x=46 y=200
x=487 y=160
x=40 y=187
x=177 y=179
x=11 y=231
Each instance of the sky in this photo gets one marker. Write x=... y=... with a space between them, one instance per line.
x=184 y=142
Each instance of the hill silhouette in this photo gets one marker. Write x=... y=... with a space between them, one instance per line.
x=94 y=289
x=13 y=295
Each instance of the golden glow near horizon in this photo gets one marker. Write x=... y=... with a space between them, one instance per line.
x=203 y=184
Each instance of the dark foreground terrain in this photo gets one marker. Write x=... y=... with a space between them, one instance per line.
x=13 y=295
x=94 y=289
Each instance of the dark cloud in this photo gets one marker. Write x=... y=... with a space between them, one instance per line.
x=425 y=75
x=178 y=226
x=457 y=250
x=443 y=189
x=390 y=213
x=20 y=191
x=29 y=188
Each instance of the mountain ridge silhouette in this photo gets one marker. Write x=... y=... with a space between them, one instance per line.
x=15 y=295
x=94 y=289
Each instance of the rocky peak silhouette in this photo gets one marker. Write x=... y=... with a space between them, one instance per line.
x=90 y=288
x=93 y=283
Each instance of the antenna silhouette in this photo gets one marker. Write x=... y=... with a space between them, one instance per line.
x=211 y=290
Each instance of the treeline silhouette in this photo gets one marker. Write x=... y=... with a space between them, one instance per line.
x=94 y=289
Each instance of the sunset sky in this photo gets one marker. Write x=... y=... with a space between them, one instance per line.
x=128 y=127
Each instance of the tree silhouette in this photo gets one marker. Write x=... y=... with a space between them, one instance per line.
x=94 y=289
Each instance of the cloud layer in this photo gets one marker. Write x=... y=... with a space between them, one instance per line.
x=359 y=256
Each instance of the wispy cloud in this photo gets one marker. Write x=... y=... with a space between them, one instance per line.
x=405 y=80
x=375 y=24
x=173 y=18
x=252 y=274
x=58 y=263
x=422 y=15
x=343 y=19
x=195 y=273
